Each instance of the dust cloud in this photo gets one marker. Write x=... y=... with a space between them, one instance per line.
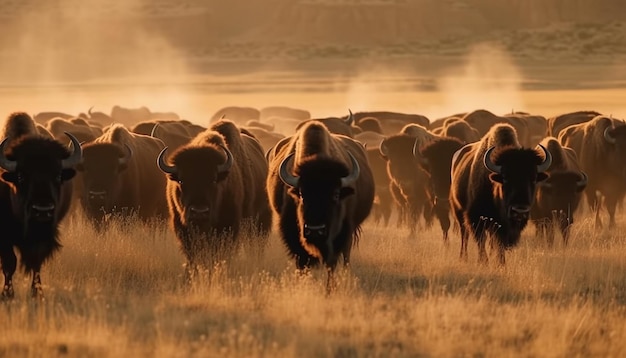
x=488 y=79
x=59 y=46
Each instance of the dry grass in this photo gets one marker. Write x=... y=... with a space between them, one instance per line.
x=121 y=294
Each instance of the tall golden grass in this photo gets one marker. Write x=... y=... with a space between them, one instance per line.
x=121 y=293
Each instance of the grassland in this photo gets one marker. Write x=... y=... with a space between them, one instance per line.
x=121 y=294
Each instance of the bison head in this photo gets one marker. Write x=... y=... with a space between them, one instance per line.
x=561 y=193
x=319 y=190
x=402 y=166
x=517 y=171
x=36 y=168
x=102 y=166
x=197 y=173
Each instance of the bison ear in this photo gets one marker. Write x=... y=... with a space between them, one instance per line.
x=345 y=192
x=495 y=177
x=541 y=177
x=9 y=177
x=221 y=176
x=67 y=174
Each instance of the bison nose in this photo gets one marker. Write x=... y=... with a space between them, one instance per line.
x=521 y=209
x=45 y=211
x=313 y=232
x=97 y=195
x=199 y=209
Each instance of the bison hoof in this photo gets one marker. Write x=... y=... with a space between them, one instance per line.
x=36 y=293
x=8 y=292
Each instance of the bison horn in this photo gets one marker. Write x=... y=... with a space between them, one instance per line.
x=382 y=148
x=547 y=162
x=608 y=136
x=154 y=129
x=582 y=182
x=350 y=118
x=417 y=154
x=288 y=178
x=489 y=164
x=5 y=163
x=356 y=171
x=77 y=153
x=229 y=161
x=165 y=168
x=129 y=154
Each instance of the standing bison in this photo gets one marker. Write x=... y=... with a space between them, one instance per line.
x=493 y=189
x=119 y=176
x=321 y=187
x=215 y=185
x=435 y=159
x=601 y=148
x=558 y=196
x=35 y=195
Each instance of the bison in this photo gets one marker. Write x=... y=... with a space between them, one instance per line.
x=408 y=182
x=558 y=196
x=321 y=187
x=493 y=188
x=119 y=176
x=435 y=158
x=601 y=147
x=557 y=123
x=239 y=115
x=35 y=195
x=216 y=184
x=284 y=112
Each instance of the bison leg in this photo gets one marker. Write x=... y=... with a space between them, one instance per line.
x=9 y=264
x=36 y=290
x=501 y=257
x=482 y=252
x=594 y=204
x=464 y=233
x=610 y=202
x=442 y=211
x=385 y=205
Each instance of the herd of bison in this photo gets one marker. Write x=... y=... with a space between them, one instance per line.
x=318 y=178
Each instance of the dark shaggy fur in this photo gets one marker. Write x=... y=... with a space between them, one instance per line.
x=321 y=159
x=408 y=182
x=109 y=187
x=227 y=199
x=437 y=162
x=482 y=201
x=38 y=181
x=601 y=160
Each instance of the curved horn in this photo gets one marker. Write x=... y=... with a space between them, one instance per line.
x=382 y=148
x=153 y=131
x=77 y=153
x=89 y=111
x=547 y=162
x=284 y=174
x=6 y=164
x=350 y=118
x=229 y=161
x=417 y=155
x=489 y=164
x=129 y=154
x=608 y=137
x=165 y=168
x=582 y=182
x=356 y=171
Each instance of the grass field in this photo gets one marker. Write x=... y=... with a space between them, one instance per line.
x=121 y=294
